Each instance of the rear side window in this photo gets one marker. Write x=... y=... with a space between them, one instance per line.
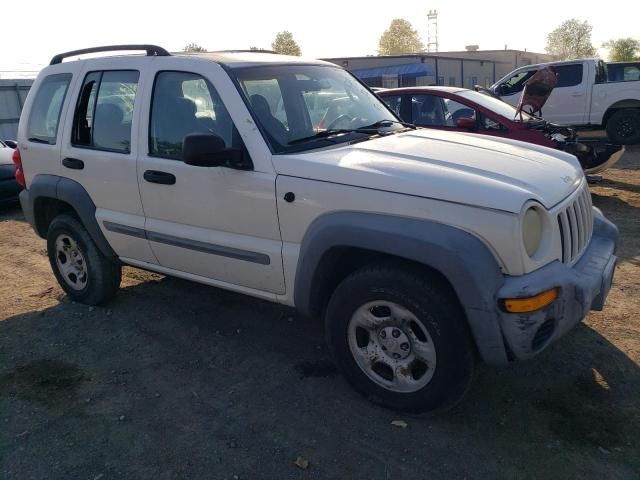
x=45 y=113
x=104 y=111
x=568 y=75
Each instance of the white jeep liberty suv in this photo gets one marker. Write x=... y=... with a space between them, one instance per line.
x=289 y=180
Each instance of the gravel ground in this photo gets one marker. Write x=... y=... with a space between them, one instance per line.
x=176 y=380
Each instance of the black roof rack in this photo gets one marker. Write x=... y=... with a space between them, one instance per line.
x=152 y=50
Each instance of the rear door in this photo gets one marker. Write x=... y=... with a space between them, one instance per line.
x=43 y=119
x=213 y=223
x=98 y=150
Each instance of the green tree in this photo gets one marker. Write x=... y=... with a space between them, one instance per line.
x=285 y=44
x=399 y=38
x=193 y=47
x=572 y=39
x=623 y=49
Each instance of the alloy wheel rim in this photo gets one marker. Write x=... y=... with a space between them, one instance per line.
x=70 y=262
x=392 y=346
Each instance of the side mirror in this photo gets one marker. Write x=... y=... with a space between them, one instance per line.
x=502 y=89
x=466 y=123
x=208 y=150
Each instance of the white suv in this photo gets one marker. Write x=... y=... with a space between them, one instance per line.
x=424 y=251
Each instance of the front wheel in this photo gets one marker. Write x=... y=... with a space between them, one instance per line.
x=624 y=126
x=81 y=269
x=400 y=338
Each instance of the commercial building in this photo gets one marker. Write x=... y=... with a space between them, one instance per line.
x=461 y=69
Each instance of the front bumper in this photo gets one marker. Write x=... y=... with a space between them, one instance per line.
x=583 y=287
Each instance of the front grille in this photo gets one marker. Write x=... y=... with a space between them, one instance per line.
x=543 y=334
x=575 y=221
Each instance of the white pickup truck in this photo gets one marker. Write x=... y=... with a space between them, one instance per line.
x=584 y=96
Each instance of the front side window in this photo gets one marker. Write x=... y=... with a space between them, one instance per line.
x=516 y=83
x=428 y=110
x=394 y=102
x=568 y=75
x=299 y=106
x=104 y=111
x=185 y=103
x=47 y=106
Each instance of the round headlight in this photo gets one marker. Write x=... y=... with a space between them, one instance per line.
x=532 y=230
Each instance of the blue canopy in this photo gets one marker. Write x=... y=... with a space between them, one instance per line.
x=409 y=70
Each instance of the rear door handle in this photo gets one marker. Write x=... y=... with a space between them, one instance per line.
x=155 y=176
x=73 y=163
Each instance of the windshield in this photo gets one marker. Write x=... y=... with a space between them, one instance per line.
x=298 y=105
x=493 y=104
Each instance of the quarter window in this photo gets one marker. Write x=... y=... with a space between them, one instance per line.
x=104 y=111
x=45 y=113
x=185 y=103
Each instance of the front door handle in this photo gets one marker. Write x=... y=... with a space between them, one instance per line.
x=73 y=163
x=155 y=176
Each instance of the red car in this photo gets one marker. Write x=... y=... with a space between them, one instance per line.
x=459 y=109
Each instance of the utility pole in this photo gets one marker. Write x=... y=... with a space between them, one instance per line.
x=432 y=31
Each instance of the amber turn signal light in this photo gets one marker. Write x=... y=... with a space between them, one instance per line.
x=530 y=304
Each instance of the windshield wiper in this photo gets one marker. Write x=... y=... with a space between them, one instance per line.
x=331 y=132
x=388 y=123
x=372 y=129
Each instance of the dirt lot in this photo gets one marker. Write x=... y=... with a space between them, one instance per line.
x=176 y=380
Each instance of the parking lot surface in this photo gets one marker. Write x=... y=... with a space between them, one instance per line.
x=178 y=380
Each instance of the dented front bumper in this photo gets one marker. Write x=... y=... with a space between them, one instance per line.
x=583 y=287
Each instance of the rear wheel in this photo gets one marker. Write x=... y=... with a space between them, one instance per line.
x=400 y=338
x=624 y=126
x=82 y=271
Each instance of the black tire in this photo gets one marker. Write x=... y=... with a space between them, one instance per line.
x=434 y=305
x=102 y=277
x=624 y=126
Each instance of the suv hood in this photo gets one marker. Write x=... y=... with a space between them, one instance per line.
x=464 y=168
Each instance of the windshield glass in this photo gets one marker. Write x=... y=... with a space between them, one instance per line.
x=493 y=104
x=295 y=103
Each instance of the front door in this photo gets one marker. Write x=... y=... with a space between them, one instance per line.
x=215 y=223
x=567 y=104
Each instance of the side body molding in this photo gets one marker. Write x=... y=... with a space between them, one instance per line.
x=462 y=258
x=71 y=192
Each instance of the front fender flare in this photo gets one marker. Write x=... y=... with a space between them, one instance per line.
x=463 y=259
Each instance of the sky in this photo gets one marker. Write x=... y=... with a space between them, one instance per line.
x=37 y=30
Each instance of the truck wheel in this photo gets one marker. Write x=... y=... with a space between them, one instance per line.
x=401 y=339
x=82 y=271
x=624 y=126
